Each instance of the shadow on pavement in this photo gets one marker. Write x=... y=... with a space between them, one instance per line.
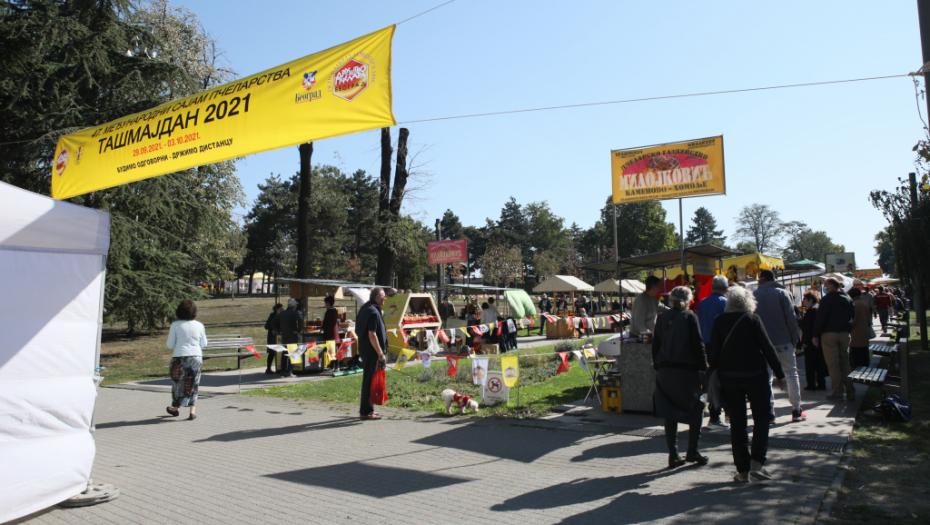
x=624 y=449
x=118 y=424
x=380 y=482
x=257 y=433
x=512 y=445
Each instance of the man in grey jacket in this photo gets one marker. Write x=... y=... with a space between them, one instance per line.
x=646 y=308
x=775 y=308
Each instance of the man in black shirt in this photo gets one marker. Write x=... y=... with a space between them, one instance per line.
x=372 y=341
x=287 y=323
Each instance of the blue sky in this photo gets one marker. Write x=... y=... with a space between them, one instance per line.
x=812 y=153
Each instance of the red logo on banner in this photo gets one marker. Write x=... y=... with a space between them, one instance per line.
x=445 y=252
x=350 y=80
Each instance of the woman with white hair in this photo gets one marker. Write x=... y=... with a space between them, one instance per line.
x=679 y=359
x=739 y=351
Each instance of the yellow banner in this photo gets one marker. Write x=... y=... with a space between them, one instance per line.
x=511 y=369
x=668 y=171
x=345 y=89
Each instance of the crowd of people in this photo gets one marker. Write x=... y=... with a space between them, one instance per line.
x=736 y=344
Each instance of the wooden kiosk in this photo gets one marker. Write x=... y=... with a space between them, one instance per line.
x=415 y=311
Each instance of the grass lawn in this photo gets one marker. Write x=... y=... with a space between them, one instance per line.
x=416 y=388
x=145 y=356
x=888 y=480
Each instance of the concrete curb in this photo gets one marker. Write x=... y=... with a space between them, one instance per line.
x=823 y=515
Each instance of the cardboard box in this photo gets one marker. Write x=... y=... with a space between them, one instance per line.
x=490 y=349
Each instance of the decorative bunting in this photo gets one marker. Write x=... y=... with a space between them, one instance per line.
x=479 y=370
x=251 y=348
x=426 y=358
x=443 y=338
x=452 y=362
x=511 y=369
x=402 y=359
x=581 y=360
x=563 y=366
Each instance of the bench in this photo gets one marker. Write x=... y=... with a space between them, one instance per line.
x=226 y=342
x=884 y=350
x=868 y=376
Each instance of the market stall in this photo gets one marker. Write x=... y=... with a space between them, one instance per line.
x=634 y=354
x=562 y=284
x=405 y=313
x=627 y=288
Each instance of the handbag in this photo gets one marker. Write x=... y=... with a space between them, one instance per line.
x=713 y=381
x=872 y=334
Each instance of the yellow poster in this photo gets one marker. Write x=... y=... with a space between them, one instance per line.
x=668 y=171
x=402 y=359
x=393 y=309
x=342 y=90
x=511 y=369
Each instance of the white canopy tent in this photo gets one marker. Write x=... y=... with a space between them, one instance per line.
x=629 y=286
x=563 y=283
x=50 y=321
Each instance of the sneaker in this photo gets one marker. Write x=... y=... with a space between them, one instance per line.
x=758 y=471
x=798 y=415
x=288 y=376
x=724 y=423
x=809 y=388
x=716 y=423
x=741 y=477
x=832 y=397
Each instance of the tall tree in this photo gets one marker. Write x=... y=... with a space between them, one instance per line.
x=502 y=264
x=704 y=229
x=884 y=249
x=387 y=250
x=65 y=66
x=362 y=222
x=760 y=225
x=803 y=243
x=451 y=226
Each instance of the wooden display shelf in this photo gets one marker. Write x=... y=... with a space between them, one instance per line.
x=422 y=325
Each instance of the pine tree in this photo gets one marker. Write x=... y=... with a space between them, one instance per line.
x=704 y=229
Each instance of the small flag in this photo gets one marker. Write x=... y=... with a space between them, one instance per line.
x=452 y=361
x=251 y=348
x=443 y=338
x=563 y=366
x=402 y=359
x=511 y=370
x=548 y=318
x=581 y=360
x=479 y=370
x=426 y=358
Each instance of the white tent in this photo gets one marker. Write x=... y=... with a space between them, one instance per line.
x=563 y=283
x=629 y=286
x=54 y=255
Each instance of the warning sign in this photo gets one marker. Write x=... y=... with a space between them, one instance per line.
x=494 y=390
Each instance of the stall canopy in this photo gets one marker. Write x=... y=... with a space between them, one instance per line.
x=629 y=286
x=883 y=280
x=50 y=320
x=563 y=283
x=661 y=259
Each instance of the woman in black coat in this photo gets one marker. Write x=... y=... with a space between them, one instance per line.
x=739 y=350
x=679 y=359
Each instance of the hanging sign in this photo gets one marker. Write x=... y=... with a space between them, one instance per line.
x=703 y=266
x=345 y=89
x=841 y=262
x=445 y=252
x=668 y=171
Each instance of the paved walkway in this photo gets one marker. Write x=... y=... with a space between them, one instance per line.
x=266 y=460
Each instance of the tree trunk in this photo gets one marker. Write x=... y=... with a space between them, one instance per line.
x=303 y=218
x=251 y=282
x=400 y=173
x=385 y=270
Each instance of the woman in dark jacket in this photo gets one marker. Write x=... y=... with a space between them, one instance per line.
x=679 y=359
x=815 y=366
x=272 y=335
x=739 y=351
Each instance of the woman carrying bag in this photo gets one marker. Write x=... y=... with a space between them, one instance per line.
x=679 y=359
x=738 y=352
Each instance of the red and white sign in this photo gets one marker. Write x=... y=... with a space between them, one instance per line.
x=445 y=252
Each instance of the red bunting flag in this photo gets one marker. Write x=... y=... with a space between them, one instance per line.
x=443 y=338
x=563 y=366
x=530 y=319
x=549 y=318
x=251 y=348
x=403 y=335
x=453 y=364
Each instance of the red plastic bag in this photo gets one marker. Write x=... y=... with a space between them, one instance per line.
x=379 y=388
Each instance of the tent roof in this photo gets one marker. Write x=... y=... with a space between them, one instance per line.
x=662 y=259
x=563 y=283
x=611 y=286
x=44 y=224
x=473 y=288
